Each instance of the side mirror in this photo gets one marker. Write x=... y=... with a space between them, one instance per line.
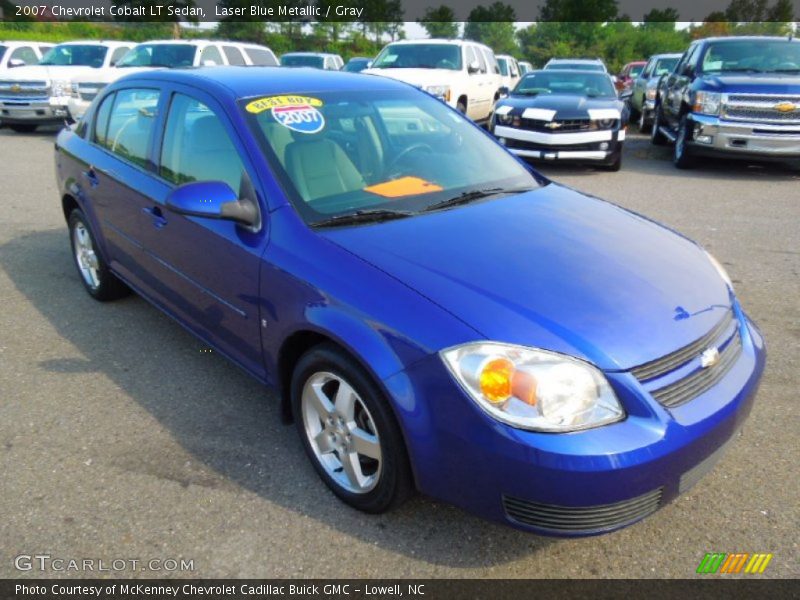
x=473 y=67
x=503 y=92
x=688 y=71
x=16 y=62
x=212 y=200
x=614 y=78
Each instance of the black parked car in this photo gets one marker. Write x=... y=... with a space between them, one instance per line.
x=563 y=115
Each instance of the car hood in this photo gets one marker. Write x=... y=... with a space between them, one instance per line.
x=47 y=73
x=567 y=106
x=553 y=269
x=755 y=83
x=418 y=77
x=108 y=75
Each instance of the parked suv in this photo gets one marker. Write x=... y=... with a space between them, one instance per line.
x=315 y=60
x=462 y=73
x=509 y=70
x=168 y=54
x=645 y=87
x=737 y=96
x=15 y=54
x=38 y=95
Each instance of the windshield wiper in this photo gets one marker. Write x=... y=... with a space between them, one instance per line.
x=467 y=197
x=363 y=216
x=783 y=71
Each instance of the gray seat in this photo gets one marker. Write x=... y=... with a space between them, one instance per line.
x=210 y=155
x=319 y=168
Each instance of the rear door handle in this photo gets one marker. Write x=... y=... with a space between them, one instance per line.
x=158 y=217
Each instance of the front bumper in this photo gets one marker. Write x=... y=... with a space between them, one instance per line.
x=714 y=135
x=600 y=146
x=580 y=483
x=35 y=111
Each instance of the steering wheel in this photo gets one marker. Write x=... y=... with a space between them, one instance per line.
x=390 y=168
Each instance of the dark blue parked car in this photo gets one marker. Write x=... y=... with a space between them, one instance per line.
x=436 y=315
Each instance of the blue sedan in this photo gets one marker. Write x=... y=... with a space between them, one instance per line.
x=435 y=314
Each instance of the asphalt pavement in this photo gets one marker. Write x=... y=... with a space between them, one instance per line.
x=121 y=438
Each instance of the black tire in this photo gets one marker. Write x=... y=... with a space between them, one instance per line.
x=656 y=137
x=461 y=106
x=644 y=125
x=634 y=112
x=22 y=128
x=616 y=165
x=681 y=151
x=394 y=483
x=108 y=286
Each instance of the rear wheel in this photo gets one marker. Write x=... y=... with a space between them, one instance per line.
x=616 y=164
x=681 y=151
x=97 y=278
x=656 y=137
x=644 y=125
x=349 y=431
x=22 y=128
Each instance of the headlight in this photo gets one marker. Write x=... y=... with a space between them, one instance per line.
x=604 y=123
x=720 y=269
x=533 y=389
x=61 y=88
x=440 y=91
x=651 y=93
x=707 y=103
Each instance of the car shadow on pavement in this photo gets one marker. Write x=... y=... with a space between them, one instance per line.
x=227 y=423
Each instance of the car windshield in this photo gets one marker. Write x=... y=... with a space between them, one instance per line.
x=159 y=55
x=665 y=65
x=503 y=63
x=759 y=56
x=576 y=66
x=382 y=154
x=75 y=55
x=302 y=60
x=593 y=85
x=419 y=56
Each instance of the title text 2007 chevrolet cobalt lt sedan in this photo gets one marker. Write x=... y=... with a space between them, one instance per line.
x=436 y=315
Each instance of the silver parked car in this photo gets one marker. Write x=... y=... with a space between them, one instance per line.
x=643 y=96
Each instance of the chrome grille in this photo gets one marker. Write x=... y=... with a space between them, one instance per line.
x=23 y=89
x=667 y=363
x=702 y=380
x=762 y=108
x=581 y=519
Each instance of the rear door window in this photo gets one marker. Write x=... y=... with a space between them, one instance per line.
x=101 y=121
x=234 y=55
x=261 y=58
x=131 y=124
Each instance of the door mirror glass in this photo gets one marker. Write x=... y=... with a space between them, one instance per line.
x=211 y=200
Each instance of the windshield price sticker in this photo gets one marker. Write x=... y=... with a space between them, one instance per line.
x=298 y=113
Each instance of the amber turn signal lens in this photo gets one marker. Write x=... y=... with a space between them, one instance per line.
x=495 y=380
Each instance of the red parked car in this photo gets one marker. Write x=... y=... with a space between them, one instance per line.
x=628 y=74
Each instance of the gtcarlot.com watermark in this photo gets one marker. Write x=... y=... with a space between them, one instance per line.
x=46 y=563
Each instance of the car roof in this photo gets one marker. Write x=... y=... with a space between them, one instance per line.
x=306 y=54
x=755 y=38
x=108 y=43
x=245 y=82
x=455 y=41
x=577 y=60
x=668 y=55
x=580 y=71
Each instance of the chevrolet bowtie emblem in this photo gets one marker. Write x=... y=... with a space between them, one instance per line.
x=16 y=87
x=553 y=125
x=709 y=358
x=786 y=107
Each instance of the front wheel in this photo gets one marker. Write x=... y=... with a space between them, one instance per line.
x=656 y=137
x=97 y=278
x=349 y=431
x=681 y=152
x=644 y=124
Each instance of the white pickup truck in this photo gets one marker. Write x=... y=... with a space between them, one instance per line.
x=463 y=73
x=38 y=94
x=168 y=54
x=16 y=53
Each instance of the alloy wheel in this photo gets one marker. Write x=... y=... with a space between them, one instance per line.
x=341 y=432
x=85 y=255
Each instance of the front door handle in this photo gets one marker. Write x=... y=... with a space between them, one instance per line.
x=158 y=217
x=91 y=176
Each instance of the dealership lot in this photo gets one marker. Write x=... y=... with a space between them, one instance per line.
x=122 y=437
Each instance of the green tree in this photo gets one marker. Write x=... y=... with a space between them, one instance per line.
x=493 y=25
x=563 y=11
x=439 y=22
